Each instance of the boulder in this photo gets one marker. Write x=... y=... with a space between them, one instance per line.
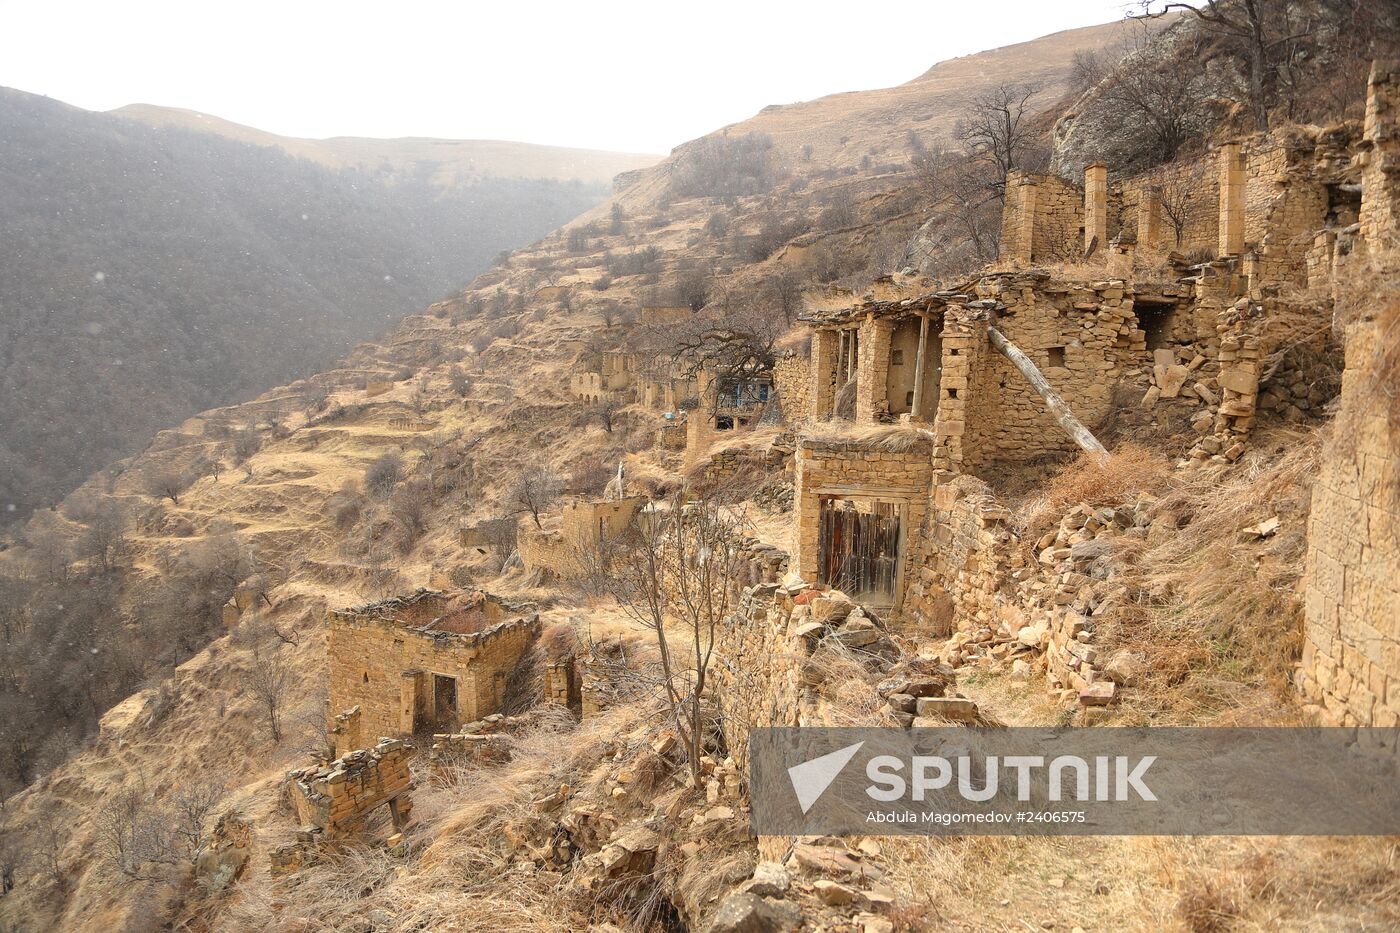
x=955 y=709
x=745 y=912
x=770 y=879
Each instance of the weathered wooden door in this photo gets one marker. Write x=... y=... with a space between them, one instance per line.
x=858 y=549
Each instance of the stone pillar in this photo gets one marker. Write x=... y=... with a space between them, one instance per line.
x=1095 y=206
x=872 y=369
x=825 y=350
x=808 y=509
x=1149 y=217
x=950 y=423
x=1232 y=181
x=1380 y=174
x=1018 y=217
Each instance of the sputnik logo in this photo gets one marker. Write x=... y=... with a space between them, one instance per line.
x=811 y=778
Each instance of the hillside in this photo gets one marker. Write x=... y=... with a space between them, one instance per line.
x=139 y=714
x=449 y=163
x=152 y=272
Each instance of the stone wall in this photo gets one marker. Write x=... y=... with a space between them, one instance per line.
x=1042 y=220
x=562 y=549
x=1184 y=194
x=1380 y=158
x=858 y=469
x=381 y=655
x=1351 y=588
x=337 y=798
x=1079 y=335
x=793 y=380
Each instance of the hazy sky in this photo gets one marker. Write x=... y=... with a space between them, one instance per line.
x=635 y=76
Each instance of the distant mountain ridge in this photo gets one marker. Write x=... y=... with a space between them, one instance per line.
x=445 y=162
x=149 y=272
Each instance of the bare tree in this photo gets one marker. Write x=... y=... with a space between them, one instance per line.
x=607 y=412
x=534 y=491
x=1174 y=196
x=146 y=838
x=738 y=346
x=1159 y=99
x=411 y=506
x=676 y=574
x=1262 y=26
x=167 y=483
x=1088 y=68
x=996 y=129
x=500 y=537
x=269 y=679
x=786 y=286
x=964 y=192
x=104 y=540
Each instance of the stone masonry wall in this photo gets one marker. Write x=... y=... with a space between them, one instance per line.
x=1351 y=590
x=854 y=468
x=1078 y=335
x=370 y=660
x=793 y=380
x=337 y=797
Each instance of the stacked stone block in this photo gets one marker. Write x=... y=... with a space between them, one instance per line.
x=335 y=799
x=1350 y=667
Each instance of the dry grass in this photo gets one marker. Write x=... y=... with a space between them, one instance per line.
x=891 y=438
x=1130 y=472
x=1216 y=616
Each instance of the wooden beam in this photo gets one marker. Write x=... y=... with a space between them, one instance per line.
x=1061 y=412
x=919 y=367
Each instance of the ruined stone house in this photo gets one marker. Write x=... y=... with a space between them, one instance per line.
x=562 y=548
x=1266 y=218
x=605 y=376
x=420 y=664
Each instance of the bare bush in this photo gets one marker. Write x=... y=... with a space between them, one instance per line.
x=411 y=506
x=269 y=678
x=167 y=483
x=677 y=576
x=384 y=474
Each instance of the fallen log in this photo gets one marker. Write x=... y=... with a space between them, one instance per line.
x=1061 y=412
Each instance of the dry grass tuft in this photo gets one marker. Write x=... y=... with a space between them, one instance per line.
x=892 y=438
x=1130 y=472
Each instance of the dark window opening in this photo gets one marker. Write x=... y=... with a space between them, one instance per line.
x=445 y=702
x=909 y=399
x=366 y=676
x=952 y=393
x=896 y=357
x=724 y=423
x=1156 y=321
x=1056 y=355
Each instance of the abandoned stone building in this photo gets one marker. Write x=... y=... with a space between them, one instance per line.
x=725 y=404
x=1210 y=272
x=561 y=549
x=605 y=376
x=424 y=663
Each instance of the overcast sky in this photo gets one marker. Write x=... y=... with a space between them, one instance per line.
x=631 y=76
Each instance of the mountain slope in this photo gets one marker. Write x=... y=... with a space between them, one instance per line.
x=152 y=272
x=446 y=162
x=490 y=382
